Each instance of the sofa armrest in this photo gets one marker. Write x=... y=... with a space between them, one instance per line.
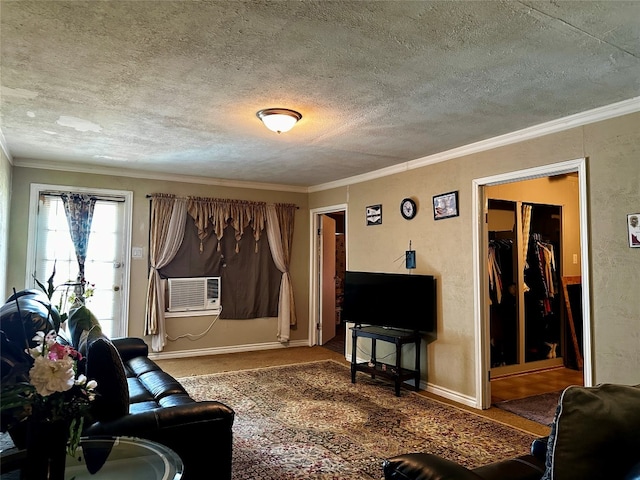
x=130 y=347
x=524 y=467
x=201 y=433
x=424 y=466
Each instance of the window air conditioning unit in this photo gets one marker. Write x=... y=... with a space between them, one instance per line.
x=198 y=293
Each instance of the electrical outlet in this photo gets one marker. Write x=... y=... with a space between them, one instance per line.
x=575 y=258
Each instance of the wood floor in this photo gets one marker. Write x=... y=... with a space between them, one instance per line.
x=529 y=384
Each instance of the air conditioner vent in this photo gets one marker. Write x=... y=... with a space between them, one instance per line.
x=197 y=293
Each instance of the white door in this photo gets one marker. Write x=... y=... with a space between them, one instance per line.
x=106 y=272
x=328 y=280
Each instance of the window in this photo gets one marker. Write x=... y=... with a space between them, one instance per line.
x=250 y=281
x=106 y=271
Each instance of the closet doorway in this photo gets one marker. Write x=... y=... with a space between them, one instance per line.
x=327 y=277
x=531 y=235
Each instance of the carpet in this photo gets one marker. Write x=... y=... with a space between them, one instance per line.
x=539 y=408
x=308 y=421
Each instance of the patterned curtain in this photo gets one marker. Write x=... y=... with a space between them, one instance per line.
x=79 y=212
x=280 y=221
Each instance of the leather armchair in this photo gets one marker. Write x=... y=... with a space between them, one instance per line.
x=595 y=434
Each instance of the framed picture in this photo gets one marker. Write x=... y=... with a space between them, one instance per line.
x=633 y=226
x=445 y=205
x=374 y=215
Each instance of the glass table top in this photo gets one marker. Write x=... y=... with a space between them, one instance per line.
x=99 y=458
x=124 y=457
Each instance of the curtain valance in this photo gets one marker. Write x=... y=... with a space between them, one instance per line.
x=214 y=214
x=218 y=213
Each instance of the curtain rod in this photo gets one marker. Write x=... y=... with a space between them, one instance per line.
x=97 y=197
x=150 y=195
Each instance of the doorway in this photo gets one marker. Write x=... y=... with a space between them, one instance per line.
x=106 y=267
x=519 y=356
x=327 y=277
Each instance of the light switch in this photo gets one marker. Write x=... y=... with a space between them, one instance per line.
x=136 y=252
x=575 y=258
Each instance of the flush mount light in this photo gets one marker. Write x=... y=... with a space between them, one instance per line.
x=279 y=119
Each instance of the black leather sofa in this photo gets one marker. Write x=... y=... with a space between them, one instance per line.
x=595 y=435
x=135 y=396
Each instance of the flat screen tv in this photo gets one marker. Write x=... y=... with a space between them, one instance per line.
x=392 y=300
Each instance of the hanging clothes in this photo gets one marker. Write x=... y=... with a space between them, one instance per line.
x=500 y=252
x=541 y=274
x=495 y=280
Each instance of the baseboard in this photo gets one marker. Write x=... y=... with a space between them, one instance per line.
x=466 y=400
x=200 y=352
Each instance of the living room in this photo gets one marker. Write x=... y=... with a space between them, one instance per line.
x=601 y=143
x=598 y=146
x=443 y=248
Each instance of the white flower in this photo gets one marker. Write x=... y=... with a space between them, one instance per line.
x=49 y=376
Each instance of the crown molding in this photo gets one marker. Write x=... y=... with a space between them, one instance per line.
x=72 y=167
x=618 y=109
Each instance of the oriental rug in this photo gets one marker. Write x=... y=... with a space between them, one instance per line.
x=539 y=408
x=308 y=421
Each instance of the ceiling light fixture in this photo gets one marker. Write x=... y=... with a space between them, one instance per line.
x=279 y=119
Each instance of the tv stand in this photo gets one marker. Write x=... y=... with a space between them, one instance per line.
x=373 y=367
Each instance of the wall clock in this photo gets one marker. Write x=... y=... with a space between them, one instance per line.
x=408 y=208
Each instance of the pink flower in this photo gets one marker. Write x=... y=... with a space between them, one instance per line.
x=57 y=352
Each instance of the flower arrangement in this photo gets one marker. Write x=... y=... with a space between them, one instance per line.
x=55 y=392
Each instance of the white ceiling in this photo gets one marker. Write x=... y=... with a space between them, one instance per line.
x=172 y=87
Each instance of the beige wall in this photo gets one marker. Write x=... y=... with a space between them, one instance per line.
x=5 y=201
x=225 y=333
x=444 y=247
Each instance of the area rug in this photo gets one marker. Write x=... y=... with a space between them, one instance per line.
x=308 y=421
x=539 y=408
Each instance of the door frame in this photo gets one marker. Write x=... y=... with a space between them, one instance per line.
x=480 y=290
x=36 y=188
x=315 y=260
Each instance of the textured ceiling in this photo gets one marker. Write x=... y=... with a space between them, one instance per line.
x=173 y=86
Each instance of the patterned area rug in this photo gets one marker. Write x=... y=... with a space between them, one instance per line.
x=539 y=408
x=308 y=421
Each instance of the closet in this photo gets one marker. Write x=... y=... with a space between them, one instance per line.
x=525 y=290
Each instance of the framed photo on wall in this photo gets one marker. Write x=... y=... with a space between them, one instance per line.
x=374 y=214
x=633 y=226
x=445 y=205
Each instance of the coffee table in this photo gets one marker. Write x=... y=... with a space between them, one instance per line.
x=123 y=457
x=99 y=458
